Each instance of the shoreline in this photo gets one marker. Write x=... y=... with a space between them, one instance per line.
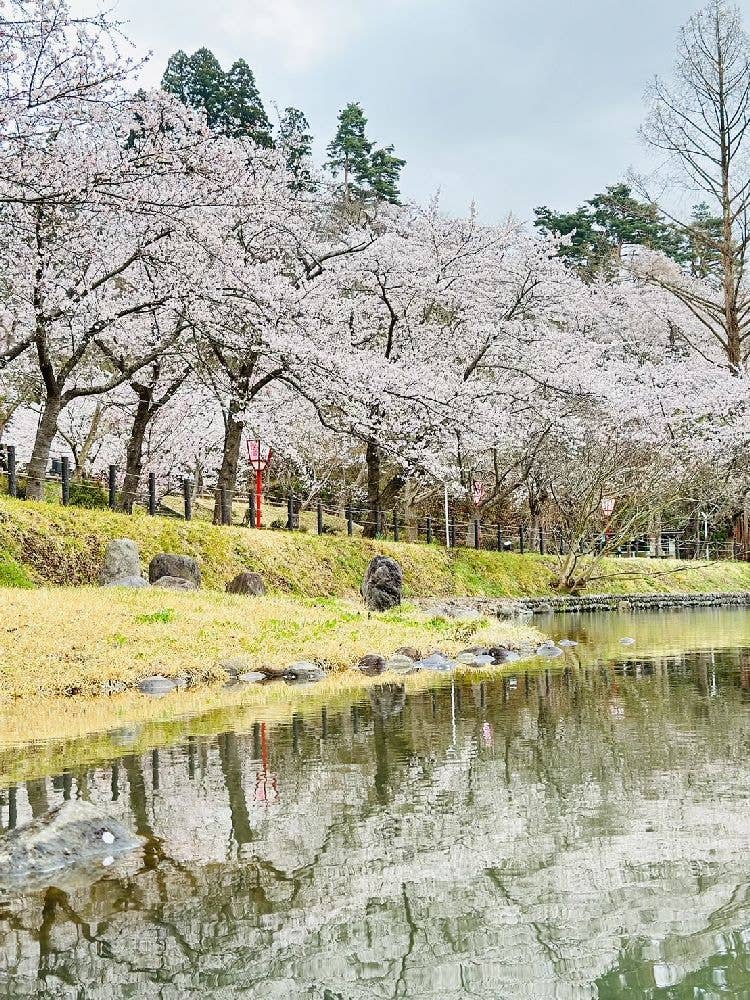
x=587 y=603
x=88 y=642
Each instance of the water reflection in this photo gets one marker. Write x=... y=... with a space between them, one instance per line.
x=574 y=833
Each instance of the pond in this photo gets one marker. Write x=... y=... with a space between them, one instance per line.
x=575 y=831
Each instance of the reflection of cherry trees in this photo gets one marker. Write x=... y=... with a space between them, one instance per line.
x=402 y=846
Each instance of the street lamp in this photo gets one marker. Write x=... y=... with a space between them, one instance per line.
x=258 y=457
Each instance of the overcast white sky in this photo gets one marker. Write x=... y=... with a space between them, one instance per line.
x=512 y=103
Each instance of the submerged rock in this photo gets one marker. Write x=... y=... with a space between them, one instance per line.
x=382 y=585
x=252 y=677
x=475 y=658
x=569 y=643
x=627 y=641
x=73 y=833
x=549 y=650
x=156 y=685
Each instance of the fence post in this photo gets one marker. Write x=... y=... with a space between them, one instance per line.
x=499 y=538
x=395 y=526
x=65 y=477
x=520 y=539
x=251 y=509
x=349 y=520
x=320 y=518
x=187 y=499
x=12 y=481
x=429 y=530
x=453 y=532
x=541 y=540
x=289 y=513
x=477 y=539
x=226 y=517
x=112 y=475
x=152 y=493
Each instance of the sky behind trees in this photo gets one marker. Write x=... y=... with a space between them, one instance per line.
x=514 y=103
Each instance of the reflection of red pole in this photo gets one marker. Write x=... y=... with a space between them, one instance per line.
x=258 y=491
x=263 y=747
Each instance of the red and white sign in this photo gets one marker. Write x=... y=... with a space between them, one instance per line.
x=258 y=456
x=478 y=492
x=608 y=506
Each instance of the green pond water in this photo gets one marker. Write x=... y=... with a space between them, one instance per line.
x=575 y=831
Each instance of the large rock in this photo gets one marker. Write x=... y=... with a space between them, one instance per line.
x=169 y=564
x=303 y=672
x=248 y=583
x=371 y=664
x=128 y=581
x=71 y=834
x=122 y=562
x=400 y=664
x=157 y=685
x=437 y=661
x=382 y=585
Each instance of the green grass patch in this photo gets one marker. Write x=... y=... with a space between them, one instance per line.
x=12 y=573
x=165 y=615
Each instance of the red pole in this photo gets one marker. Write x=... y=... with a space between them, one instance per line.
x=258 y=492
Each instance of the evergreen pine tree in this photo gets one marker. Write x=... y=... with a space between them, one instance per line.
x=704 y=236
x=243 y=113
x=295 y=141
x=177 y=76
x=230 y=101
x=385 y=172
x=606 y=223
x=349 y=153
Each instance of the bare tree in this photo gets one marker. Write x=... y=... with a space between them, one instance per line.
x=700 y=120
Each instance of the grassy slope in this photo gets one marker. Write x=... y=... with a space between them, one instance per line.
x=50 y=544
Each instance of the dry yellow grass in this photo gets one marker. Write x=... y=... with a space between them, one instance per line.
x=69 y=641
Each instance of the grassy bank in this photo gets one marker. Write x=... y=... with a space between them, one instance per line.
x=72 y=641
x=42 y=544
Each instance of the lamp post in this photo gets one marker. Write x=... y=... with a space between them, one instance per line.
x=608 y=509
x=259 y=458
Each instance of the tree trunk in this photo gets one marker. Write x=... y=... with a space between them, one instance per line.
x=45 y=435
x=82 y=457
x=229 y=460
x=372 y=457
x=134 y=452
